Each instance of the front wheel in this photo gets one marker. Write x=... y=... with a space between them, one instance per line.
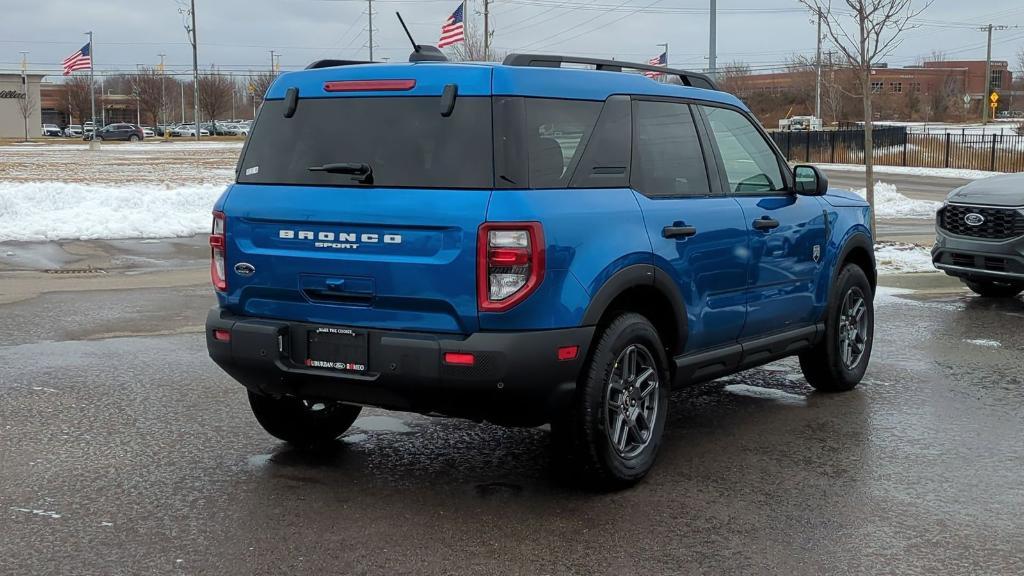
x=838 y=362
x=615 y=428
x=994 y=289
x=302 y=422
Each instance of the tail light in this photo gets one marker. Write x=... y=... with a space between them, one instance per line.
x=510 y=263
x=217 y=253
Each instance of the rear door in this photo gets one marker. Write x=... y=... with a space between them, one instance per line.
x=697 y=233
x=786 y=230
x=362 y=207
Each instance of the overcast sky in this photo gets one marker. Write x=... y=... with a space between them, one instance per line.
x=239 y=34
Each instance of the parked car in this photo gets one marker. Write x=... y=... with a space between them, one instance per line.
x=128 y=132
x=51 y=130
x=148 y=132
x=73 y=131
x=88 y=128
x=980 y=236
x=525 y=244
x=189 y=130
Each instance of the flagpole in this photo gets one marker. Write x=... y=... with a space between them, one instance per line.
x=92 y=92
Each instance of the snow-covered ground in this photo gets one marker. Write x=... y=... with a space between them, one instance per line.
x=145 y=190
x=1005 y=128
x=900 y=257
x=914 y=171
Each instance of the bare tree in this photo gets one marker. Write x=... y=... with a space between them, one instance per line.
x=260 y=82
x=26 y=105
x=865 y=32
x=148 y=84
x=733 y=78
x=472 y=48
x=214 y=94
x=77 y=98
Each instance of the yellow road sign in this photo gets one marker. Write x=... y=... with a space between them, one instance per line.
x=994 y=97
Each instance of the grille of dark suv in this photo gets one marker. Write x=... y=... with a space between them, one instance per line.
x=999 y=223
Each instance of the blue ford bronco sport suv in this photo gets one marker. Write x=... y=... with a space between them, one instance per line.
x=524 y=243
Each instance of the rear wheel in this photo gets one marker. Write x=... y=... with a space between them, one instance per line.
x=302 y=422
x=615 y=428
x=133 y=138
x=994 y=289
x=838 y=362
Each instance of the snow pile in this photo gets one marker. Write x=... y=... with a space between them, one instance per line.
x=891 y=204
x=961 y=173
x=899 y=257
x=46 y=211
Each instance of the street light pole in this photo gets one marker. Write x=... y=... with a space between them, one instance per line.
x=163 y=95
x=817 y=66
x=24 y=87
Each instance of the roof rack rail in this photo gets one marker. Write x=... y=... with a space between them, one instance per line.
x=333 y=63
x=693 y=79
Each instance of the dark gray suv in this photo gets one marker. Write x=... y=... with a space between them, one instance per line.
x=980 y=235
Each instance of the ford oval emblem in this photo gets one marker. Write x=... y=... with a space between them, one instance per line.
x=974 y=219
x=244 y=269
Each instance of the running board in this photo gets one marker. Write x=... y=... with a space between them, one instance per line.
x=704 y=366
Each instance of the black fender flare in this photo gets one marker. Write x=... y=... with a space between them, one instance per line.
x=856 y=240
x=639 y=275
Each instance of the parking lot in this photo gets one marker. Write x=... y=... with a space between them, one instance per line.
x=124 y=450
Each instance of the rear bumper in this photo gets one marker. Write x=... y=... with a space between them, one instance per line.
x=516 y=378
x=974 y=259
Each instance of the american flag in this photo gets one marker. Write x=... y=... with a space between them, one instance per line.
x=661 y=60
x=81 y=60
x=454 y=29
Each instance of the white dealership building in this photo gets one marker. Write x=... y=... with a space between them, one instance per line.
x=15 y=89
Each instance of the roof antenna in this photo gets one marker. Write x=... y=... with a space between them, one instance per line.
x=421 y=52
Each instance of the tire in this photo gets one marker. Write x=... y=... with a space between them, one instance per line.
x=992 y=289
x=302 y=423
x=133 y=138
x=830 y=366
x=583 y=433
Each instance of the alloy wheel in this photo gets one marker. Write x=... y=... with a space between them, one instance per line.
x=853 y=328
x=631 y=401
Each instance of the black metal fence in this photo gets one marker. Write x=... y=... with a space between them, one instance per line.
x=894 y=146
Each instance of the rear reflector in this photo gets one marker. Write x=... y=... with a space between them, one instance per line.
x=222 y=335
x=568 y=353
x=368 y=85
x=459 y=358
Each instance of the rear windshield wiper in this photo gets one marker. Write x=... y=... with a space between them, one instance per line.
x=354 y=168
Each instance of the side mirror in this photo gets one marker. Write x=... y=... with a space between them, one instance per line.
x=810 y=181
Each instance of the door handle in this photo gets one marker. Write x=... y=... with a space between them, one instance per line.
x=765 y=223
x=681 y=231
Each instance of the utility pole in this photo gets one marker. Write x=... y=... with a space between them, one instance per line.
x=273 y=66
x=195 y=71
x=369 y=12
x=817 y=65
x=713 y=41
x=163 y=95
x=487 y=28
x=988 y=70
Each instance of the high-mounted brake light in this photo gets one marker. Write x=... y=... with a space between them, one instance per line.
x=218 y=255
x=510 y=263
x=369 y=85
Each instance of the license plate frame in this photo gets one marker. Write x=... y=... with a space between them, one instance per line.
x=334 y=348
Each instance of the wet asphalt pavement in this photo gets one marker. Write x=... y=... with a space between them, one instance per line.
x=134 y=454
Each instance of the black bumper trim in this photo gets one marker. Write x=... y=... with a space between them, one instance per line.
x=516 y=378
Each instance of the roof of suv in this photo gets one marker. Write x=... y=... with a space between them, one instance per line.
x=486 y=79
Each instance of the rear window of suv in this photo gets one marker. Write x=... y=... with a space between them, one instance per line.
x=404 y=140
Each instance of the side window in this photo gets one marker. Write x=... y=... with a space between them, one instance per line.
x=750 y=163
x=667 y=158
x=557 y=131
